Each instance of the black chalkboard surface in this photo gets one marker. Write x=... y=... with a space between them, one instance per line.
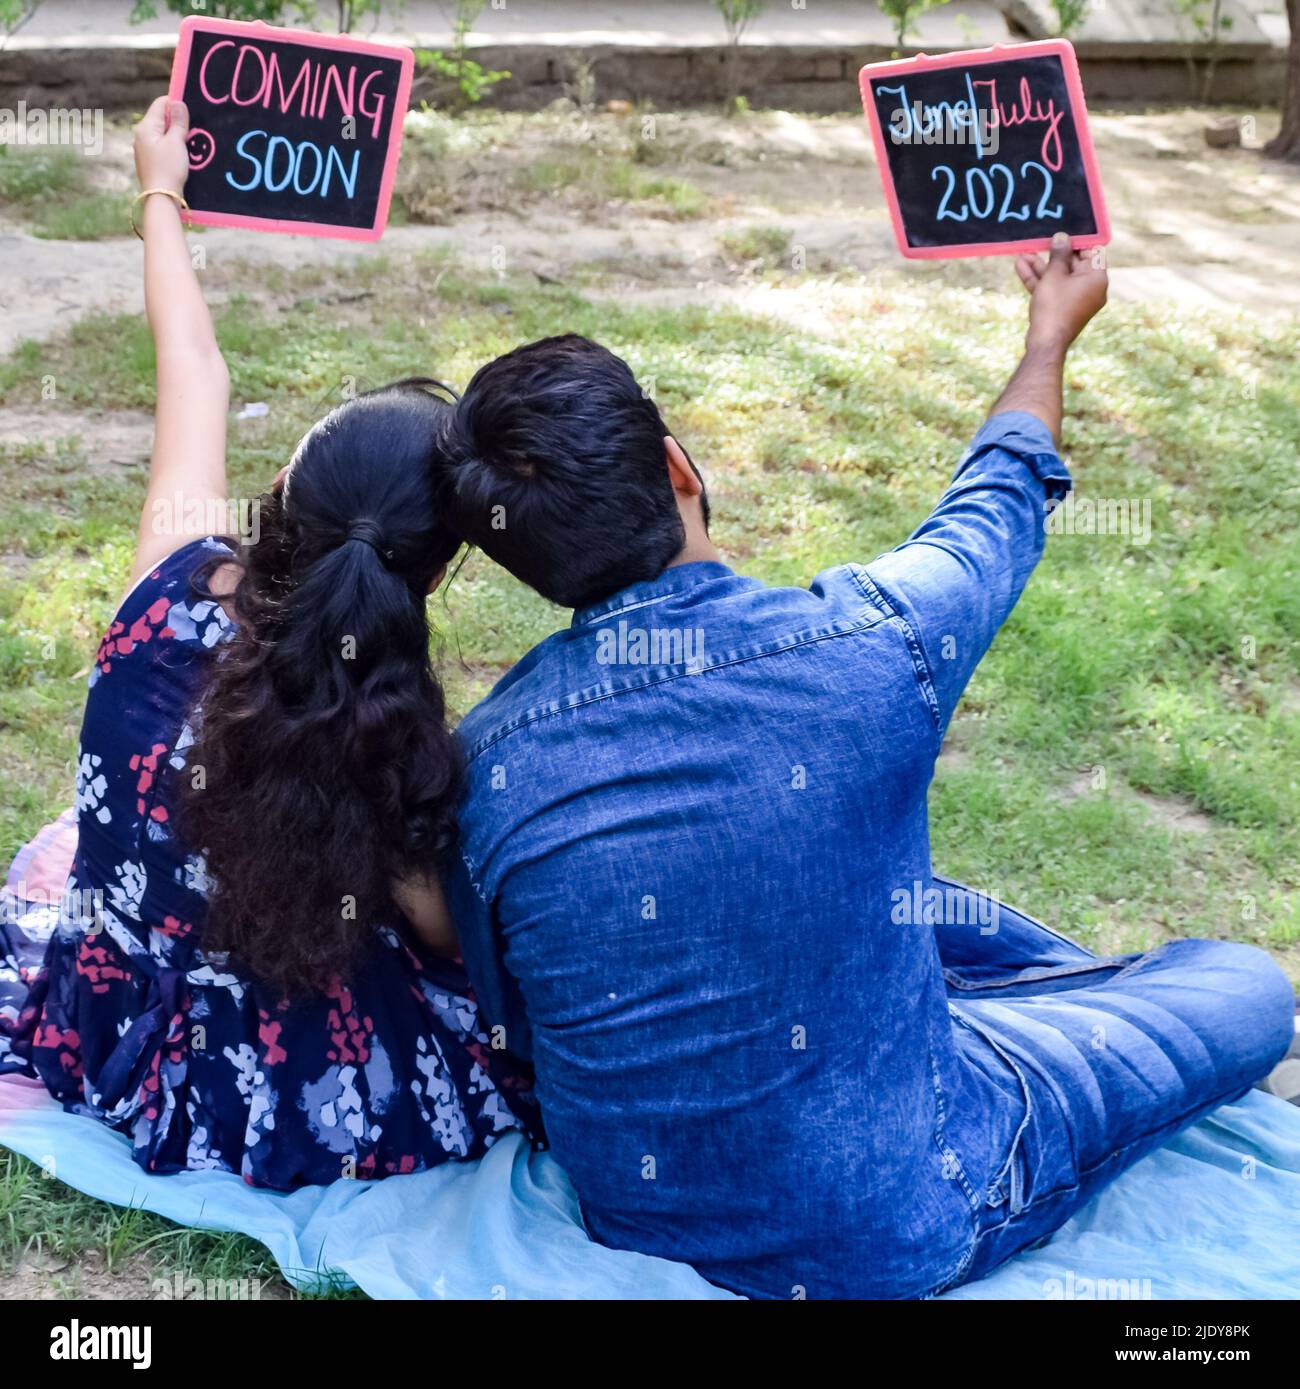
x=985 y=152
x=290 y=131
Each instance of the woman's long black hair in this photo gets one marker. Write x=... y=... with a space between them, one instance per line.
x=327 y=767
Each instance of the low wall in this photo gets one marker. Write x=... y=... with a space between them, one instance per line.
x=825 y=79
x=125 y=75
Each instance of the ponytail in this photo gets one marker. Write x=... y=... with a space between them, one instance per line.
x=329 y=769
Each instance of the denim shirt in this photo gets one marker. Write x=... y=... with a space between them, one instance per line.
x=688 y=822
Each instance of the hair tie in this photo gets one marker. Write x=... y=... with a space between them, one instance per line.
x=369 y=534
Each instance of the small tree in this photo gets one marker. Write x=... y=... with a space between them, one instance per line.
x=348 y=12
x=1286 y=144
x=1070 y=15
x=903 y=14
x=472 y=79
x=13 y=15
x=1209 y=24
x=269 y=11
x=737 y=15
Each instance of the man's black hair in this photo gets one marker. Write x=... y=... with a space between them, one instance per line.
x=555 y=468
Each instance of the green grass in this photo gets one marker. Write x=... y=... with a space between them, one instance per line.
x=493 y=159
x=54 y=1227
x=88 y=218
x=764 y=246
x=49 y=188
x=38 y=173
x=1171 y=666
x=601 y=177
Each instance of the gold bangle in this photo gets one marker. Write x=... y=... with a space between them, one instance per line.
x=148 y=192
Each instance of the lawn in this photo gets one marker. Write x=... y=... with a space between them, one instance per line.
x=1124 y=764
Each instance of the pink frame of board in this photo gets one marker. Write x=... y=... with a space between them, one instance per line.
x=970 y=58
x=339 y=43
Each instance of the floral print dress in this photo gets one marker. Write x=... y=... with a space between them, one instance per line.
x=106 y=994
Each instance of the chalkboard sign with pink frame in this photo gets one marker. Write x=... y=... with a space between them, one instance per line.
x=290 y=131
x=985 y=152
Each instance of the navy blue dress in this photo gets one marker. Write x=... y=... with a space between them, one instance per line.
x=126 y=1019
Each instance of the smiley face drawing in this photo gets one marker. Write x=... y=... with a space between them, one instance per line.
x=201 y=147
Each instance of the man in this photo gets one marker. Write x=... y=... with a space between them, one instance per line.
x=694 y=842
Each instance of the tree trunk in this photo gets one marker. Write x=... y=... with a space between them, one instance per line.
x=1287 y=143
x=731 y=75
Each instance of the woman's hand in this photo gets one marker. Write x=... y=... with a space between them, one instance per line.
x=161 y=158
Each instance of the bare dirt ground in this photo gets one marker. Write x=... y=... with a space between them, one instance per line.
x=51 y=1277
x=1193 y=227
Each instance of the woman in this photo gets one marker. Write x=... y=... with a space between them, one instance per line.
x=253 y=968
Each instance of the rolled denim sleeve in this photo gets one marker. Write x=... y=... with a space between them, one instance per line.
x=957 y=577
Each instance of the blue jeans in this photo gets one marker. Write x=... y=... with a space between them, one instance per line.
x=1111 y=1056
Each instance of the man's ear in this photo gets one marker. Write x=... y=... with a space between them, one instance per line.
x=684 y=478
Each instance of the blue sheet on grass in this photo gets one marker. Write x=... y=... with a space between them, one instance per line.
x=1214 y=1214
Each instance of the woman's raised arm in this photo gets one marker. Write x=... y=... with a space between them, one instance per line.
x=187 y=472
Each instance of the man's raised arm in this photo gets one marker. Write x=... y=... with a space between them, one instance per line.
x=1065 y=292
x=956 y=579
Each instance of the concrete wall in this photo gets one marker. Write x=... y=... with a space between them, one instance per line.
x=124 y=75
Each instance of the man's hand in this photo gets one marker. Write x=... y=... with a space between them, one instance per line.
x=1065 y=291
